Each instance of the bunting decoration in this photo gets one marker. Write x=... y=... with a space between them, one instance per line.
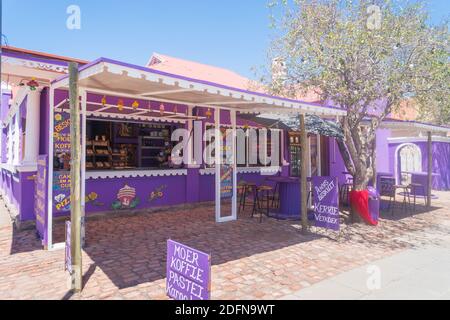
x=120 y=105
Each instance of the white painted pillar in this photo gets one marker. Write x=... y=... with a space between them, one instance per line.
x=83 y=165
x=50 y=169
x=32 y=128
x=218 y=154
x=189 y=159
x=234 y=148
x=16 y=141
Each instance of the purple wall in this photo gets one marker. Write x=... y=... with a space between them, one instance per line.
x=441 y=161
x=18 y=188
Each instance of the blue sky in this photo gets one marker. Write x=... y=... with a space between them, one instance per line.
x=234 y=34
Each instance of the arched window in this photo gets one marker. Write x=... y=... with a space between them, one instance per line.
x=410 y=158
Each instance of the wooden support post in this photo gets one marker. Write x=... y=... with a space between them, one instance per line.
x=430 y=169
x=303 y=174
x=75 y=178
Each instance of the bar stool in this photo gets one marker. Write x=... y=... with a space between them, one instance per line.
x=246 y=188
x=414 y=187
x=261 y=200
x=276 y=196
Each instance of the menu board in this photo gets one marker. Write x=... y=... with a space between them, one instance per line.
x=188 y=273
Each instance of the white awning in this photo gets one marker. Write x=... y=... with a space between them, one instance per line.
x=109 y=77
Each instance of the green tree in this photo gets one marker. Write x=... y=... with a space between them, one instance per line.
x=366 y=57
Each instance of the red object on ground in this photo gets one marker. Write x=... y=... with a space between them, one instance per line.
x=359 y=201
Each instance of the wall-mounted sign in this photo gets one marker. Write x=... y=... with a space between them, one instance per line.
x=40 y=198
x=61 y=135
x=61 y=191
x=226 y=181
x=326 y=202
x=188 y=273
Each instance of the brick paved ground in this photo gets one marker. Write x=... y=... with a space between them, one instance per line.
x=124 y=258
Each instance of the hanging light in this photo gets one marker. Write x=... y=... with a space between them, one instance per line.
x=120 y=105
x=135 y=105
x=104 y=101
x=162 y=109
x=208 y=113
x=33 y=84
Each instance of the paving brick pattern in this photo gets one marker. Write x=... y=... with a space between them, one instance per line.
x=125 y=255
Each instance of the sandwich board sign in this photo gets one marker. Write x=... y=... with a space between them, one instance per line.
x=188 y=273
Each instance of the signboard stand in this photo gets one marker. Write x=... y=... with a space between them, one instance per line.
x=326 y=203
x=188 y=273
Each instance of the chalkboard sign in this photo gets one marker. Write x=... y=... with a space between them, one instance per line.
x=188 y=273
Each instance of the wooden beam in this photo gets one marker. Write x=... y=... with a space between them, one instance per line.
x=430 y=168
x=75 y=178
x=303 y=174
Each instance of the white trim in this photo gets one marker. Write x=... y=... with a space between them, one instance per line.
x=218 y=154
x=241 y=170
x=157 y=93
x=94 y=175
x=416 y=125
x=35 y=64
x=50 y=170
x=417 y=139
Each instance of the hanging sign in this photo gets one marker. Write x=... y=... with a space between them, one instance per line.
x=188 y=273
x=326 y=202
x=68 y=254
x=40 y=198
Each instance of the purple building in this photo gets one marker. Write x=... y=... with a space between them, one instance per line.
x=129 y=114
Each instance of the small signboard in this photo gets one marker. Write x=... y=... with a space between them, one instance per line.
x=387 y=186
x=188 y=273
x=326 y=202
x=68 y=254
x=40 y=198
x=226 y=181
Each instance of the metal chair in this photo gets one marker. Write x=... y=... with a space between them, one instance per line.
x=413 y=187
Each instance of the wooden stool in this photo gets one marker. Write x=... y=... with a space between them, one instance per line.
x=262 y=195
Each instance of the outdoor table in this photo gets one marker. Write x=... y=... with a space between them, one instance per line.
x=289 y=191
